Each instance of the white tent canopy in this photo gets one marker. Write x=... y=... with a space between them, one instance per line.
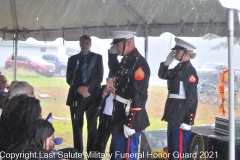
x=46 y=20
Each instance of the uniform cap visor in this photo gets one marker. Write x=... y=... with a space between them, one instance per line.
x=176 y=47
x=116 y=41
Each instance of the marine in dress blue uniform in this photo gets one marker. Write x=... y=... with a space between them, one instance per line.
x=181 y=104
x=129 y=117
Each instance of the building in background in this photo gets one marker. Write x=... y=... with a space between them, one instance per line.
x=158 y=49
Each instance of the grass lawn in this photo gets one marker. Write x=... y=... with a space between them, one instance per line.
x=57 y=88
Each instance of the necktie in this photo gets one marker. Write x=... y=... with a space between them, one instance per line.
x=84 y=70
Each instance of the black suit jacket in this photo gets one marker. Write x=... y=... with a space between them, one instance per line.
x=74 y=76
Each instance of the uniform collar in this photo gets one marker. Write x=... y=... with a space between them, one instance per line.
x=130 y=54
x=185 y=63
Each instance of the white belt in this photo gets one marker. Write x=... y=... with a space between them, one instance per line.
x=177 y=96
x=125 y=101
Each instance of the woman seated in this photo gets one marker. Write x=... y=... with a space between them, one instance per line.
x=37 y=144
x=23 y=110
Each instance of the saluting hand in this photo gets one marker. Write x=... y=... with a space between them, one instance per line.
x=169 y=58
x=112 y=50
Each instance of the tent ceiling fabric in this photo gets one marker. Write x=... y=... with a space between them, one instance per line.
x=46 y=20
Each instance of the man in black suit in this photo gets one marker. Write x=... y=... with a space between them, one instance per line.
x=84 y=76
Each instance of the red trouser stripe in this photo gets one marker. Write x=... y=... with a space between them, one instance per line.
x=180 y=143
x=128 y=147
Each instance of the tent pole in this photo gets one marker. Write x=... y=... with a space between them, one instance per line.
x=231 y=84
x=15 y=57
x=146 y=44
x=14 y=16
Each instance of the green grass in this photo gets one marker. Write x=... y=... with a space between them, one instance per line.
x=36 y=80
x=63 y=128
x=156 y=123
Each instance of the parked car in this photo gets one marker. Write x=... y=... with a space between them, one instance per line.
x=237 y=79
x=33 y=63
x=210 y=71
x=60 y=62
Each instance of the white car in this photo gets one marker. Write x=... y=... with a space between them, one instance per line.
x=210 y=71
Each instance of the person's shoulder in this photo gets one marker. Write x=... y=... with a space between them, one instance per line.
x=191 y=68
x=96 y=54
x=73 y=57
x=137 y=54
x=139 y=57
x=3 y=93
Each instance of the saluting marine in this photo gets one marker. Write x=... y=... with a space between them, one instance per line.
x=181 y=104
x=132 y=78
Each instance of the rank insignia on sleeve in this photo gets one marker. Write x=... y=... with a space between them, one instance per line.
x=192 y=79
x=139 y=74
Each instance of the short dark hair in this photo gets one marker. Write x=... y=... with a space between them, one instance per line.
x=23 y=110
x=86 y=37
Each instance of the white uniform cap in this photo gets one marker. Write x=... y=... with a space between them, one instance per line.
x=119 y=36
x=181 y=45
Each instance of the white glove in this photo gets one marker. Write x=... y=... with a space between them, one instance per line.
x=169 y=58
x=185 y=126
x=112 y=50
x=128 y=131
x=127 y=108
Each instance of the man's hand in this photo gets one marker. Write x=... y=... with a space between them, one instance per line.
x=51 y=144
x=112 y=50
x=8 y=87
x=128 y=131
x=83 y=90
x=169 y=58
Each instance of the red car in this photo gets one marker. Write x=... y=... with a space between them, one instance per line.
x=33 y=63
